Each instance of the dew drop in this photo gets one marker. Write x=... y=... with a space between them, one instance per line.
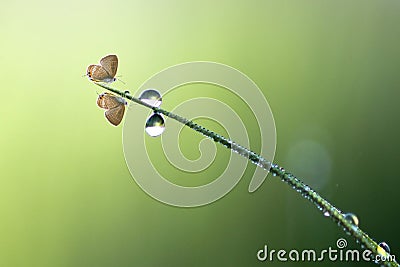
x=385 y=246
x=351 y=218
x=155 y=125
x=326 y=214
x=151 y=97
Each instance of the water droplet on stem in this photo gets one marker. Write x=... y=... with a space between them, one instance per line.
x=385 y=246
x=351 y=218
x=155 y=125
x=151 y=97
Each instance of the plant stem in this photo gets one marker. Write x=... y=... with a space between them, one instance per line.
x=322 y=204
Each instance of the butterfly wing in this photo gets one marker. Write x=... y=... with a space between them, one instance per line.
x=101 y=102
x=109 y=101
x=110 y=64
x=98 y=74
x=89 y=70
x=115 y=115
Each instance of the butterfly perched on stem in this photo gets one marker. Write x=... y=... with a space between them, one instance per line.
x=114 y=106
x=105 y=72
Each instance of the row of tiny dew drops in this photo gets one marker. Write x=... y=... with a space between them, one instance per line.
x=353 y=219
x=383 y=248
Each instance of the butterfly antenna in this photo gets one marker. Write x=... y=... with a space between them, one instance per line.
x=121 y=81
x=118 y=78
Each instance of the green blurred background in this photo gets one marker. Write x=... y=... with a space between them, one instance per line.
x=329 y=69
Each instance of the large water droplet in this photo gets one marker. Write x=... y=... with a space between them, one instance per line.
x=155 y=125
x=351 y=218
x=327 y=214
x=151 y=97
x=385 y=246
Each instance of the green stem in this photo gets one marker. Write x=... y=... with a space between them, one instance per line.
x=322 y=204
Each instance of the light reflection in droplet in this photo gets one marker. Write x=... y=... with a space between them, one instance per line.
x=151 y=97
x=155 y=125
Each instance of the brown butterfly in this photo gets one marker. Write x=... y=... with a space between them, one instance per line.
x=105 y=72
x=114 y=106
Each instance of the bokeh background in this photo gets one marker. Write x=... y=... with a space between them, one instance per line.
x=329 y=69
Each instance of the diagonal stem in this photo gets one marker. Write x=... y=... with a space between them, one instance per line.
x=308 y=193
